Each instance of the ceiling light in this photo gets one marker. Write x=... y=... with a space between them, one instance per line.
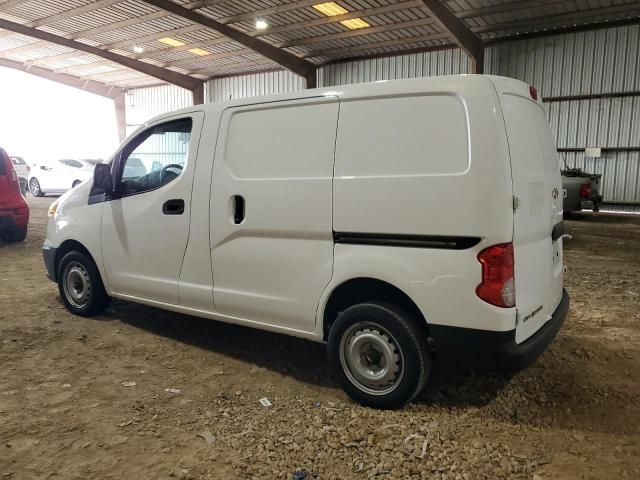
x=199 y=51
x=355 y=23
x=330 y=9
x=261 y=24
x=172 y=42
x=137 y=49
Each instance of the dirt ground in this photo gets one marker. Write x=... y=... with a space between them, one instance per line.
x=65 y=412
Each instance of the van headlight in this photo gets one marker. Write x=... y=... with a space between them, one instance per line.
x=53 y=208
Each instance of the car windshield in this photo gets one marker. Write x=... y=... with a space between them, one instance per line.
x=18 y=161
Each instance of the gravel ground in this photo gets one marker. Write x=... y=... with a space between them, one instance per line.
x=66 y=411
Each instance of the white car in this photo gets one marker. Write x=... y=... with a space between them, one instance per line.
x=22 y=170
x=422 y=225
x=58 y=176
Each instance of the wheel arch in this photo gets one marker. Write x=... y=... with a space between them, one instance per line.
x=69 y=246
x=357 y=290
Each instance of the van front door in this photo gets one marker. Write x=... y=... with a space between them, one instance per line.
x=271 y=203
x=146 y=226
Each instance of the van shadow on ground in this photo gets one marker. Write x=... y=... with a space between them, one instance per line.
x=301 y=359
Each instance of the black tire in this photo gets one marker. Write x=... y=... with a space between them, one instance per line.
x=34 y=188
x=17 y=235
x=373 y=319
x=94 y=299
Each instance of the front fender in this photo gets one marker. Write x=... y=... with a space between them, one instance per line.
x=76 y=220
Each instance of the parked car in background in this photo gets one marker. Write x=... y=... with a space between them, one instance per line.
x=581 y=190
x=22 y=170
x=58 y=176
x=92 y=161
x=14 y=211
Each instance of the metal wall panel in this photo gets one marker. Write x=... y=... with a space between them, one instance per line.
x=141 y=104
x=596 y=61
x=423 y=64
x=243 y=86
x=591 y=62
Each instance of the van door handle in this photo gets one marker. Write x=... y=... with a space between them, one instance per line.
x=238 y=209
x=173 y=207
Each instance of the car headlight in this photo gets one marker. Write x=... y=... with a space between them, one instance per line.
x=53 y=208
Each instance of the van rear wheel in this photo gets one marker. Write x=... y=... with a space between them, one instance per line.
x=379 y=355
x=80 y=285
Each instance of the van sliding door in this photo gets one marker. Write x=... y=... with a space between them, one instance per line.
x=271 y=224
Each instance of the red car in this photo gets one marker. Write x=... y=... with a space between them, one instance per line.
x=14 y=211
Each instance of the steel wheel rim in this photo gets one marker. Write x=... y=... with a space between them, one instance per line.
x=34 y=186
x=371 y=358
x=76 y=285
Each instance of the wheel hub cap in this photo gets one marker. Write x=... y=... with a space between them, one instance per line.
x=371 y=358
x=77 y=287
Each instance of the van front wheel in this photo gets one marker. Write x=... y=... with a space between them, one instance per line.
x=80 y=285
x=379 y=355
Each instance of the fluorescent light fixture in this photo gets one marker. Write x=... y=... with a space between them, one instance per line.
x=172 y=42
x=261 y=24
x=355 y=23
x=330 y=9
x=137 y=49
x=199 y=51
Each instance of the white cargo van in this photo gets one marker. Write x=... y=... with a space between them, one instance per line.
x=405 y=223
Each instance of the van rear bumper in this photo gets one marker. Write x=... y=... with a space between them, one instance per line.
x=467 y=348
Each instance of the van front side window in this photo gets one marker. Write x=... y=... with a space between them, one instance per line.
x=156 y=157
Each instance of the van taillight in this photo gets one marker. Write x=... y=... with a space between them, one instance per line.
x=585 y=190
x=497 y=286
x=533 y=92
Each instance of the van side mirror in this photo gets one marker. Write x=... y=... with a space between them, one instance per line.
x=102 y=181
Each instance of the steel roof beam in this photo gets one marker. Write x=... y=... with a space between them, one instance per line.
x=551 y=20
x=160 y=73
x=91 y=86
x=287 y=60
x=460 y=33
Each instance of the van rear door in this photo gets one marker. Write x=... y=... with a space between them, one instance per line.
x=537 y=190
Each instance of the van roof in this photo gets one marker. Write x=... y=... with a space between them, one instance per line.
x=449 y=83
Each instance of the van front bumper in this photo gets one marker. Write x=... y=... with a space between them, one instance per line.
x=467 y=348
x=49 y=255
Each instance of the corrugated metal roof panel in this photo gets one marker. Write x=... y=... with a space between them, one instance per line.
x=290 y=23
